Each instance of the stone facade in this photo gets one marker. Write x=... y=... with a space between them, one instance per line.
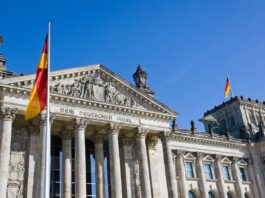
x=113 y=139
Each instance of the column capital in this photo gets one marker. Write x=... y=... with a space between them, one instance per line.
x=113 y=128
x=8 y=113
x=218 y=157
x=142 y=132
x=166 y=136
x=235 y=159
x=200 y=155
x=180 y=153
x=42 y=118
x=81 y=123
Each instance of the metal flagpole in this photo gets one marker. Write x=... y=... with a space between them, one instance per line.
x=48 y=132
x=230 y=86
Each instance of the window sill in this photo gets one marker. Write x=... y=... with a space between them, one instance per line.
x=230 y=181
x=192 y=178
x=246 y=182
x=212 y=180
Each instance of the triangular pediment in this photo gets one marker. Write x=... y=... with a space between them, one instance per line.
x=190 y=156
x=226 y=160
x=95 y=83
x=208 y=158
x=242 y=162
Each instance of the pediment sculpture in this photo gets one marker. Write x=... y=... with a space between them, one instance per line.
x=92 y=87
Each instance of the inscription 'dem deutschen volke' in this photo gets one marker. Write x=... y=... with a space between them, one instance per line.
x=93 y=115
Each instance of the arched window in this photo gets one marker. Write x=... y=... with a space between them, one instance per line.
x=210 y=195
x=191 y=194
x=246 y=195
x=229 y=195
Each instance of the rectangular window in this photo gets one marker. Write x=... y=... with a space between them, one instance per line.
x=243 y=174
x=226 y=173
x=208 y=171
x=189 y=169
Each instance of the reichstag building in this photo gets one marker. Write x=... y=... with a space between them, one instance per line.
x=114 y=139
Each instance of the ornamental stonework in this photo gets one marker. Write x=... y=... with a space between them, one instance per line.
x=16 y=181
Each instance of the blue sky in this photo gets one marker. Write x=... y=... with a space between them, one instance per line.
x=187 y=47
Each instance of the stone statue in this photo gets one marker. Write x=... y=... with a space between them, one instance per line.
x=140 y=79
x=193 y=128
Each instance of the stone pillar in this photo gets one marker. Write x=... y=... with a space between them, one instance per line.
x=143 y=163
x=80 y=158
x=7 y=116
x=99 y=155
x=33 y=158
x=114 y=155
x=42 y=150
x=237 y=177
x=169 y=165
x=67 y=163
x=201 y=174
x=220 y=177
x=127 y=167
x=182 y=174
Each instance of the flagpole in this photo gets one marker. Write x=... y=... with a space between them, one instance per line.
x=48 y=132
x=230 y=86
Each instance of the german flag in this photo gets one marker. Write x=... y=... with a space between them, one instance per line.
x=227 y=88
x=37 y=101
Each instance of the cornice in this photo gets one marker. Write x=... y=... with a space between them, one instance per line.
x=96 y=104
x=203 y=139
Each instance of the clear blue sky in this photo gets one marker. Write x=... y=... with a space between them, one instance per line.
x=187 y=47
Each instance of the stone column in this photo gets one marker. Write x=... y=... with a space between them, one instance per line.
x=127 y=167
x=143 y=163
x=42 y=150
x=67 y=163
x=201 y=174
x=220 y=177
x=7 y=116
x=99 y=154
x=114 y=155
x=182 y=174
x=33 y=158
x=80 y=158
x=169 y=165
x=237 y=177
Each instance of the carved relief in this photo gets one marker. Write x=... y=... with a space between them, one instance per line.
x=15 y=188
x=136 y=174
x=93 y=87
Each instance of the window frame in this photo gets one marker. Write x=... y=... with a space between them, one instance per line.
x=210 y=170
x=228 y=171
x=192 y=168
